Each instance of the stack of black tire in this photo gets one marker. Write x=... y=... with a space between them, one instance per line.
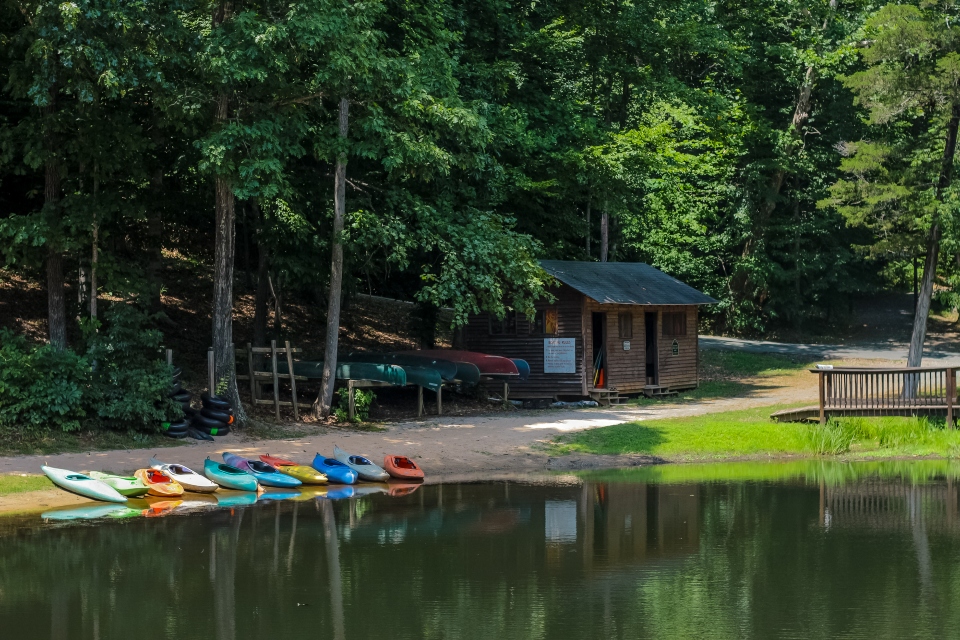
x=215 y=418
x=177 y=393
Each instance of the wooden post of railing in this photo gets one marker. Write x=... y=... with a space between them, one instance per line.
x=951 y=393
x=823 y=414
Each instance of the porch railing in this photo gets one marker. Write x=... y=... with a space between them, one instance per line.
x=896 y=390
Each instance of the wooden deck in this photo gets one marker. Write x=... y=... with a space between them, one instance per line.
x=909 y=391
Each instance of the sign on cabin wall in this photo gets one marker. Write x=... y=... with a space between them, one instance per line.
x=675 y=348
x=559 y=355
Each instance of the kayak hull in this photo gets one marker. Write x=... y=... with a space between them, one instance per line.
x=335 y=470
x=82 y=485
x=229 y=477
x=187 y=477
x=366 y=470
x=402 y=468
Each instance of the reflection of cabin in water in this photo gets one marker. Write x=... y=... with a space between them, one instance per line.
x=614 y=327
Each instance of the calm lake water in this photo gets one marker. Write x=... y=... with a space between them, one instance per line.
x=803 y=550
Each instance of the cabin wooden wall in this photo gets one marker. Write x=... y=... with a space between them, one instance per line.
x=529 y=346
x=626 y=370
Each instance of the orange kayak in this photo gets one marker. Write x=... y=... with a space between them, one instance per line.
x=402 y=467
x=160 y=483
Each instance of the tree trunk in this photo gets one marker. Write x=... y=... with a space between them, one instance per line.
x=589 y=202
x=155 y=241
x=325 y=399
x=225 y=375
x=262 y=296
x=604 y=235
x=56 y=296
x=915 y=355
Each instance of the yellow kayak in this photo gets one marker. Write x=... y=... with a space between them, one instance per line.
x=303 y=473
x=160 y=483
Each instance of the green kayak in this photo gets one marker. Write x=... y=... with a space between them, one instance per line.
x=126 y=485
x=389 y=373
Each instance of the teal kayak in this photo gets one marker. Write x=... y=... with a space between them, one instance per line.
x=85 y=513
x=389 y=373
x=229 y=477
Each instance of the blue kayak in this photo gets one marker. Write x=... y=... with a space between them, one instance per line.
x=266 y=474
x=228 y=476
x=335 y=470
x=523 y=367
x=339 y=493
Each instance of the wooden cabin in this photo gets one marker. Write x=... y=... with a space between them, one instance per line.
x=613 y=328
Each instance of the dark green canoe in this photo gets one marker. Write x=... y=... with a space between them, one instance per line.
x=389 y=373
x=423 y=377
x=446 y=368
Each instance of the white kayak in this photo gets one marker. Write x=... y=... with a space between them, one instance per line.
x=187 y=477
x=366 y=469
x=82 y=485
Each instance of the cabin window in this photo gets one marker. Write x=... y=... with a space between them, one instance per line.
x=626 y=324
x=505 y=326
x=674 y=323
x=544 y=322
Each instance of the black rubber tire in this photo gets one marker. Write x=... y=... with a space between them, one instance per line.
x=213 y=414
x=205 y=424
x=213 y=402
x=177 y=435
x=183 y=396
x=196 y=434
x=220 y=430
x=177 y=371
x=188 y=411
x=175 y=389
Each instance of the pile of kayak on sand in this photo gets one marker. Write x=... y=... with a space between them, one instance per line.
x=235 y=472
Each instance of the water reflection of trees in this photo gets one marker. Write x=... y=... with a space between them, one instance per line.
x=595 y=559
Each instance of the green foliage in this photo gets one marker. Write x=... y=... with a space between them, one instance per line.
x=830 y=439
x=363 y=401
x=41 y=388
x=119 y=382
x=129 y=378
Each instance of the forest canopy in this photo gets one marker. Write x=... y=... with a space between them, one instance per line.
x=782 y=157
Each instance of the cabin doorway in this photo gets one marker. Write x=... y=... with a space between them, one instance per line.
x=599 y=350
x=650 y=326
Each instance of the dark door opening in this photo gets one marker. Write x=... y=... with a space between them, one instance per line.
x=650 y=326
x=599 y=352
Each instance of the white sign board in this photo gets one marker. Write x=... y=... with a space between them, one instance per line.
x=559 y=355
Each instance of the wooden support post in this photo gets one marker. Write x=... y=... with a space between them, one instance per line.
x=351 y=402
x=951 y=394
x=440 y=400
x=419 y=401
x=276 y=379
x=823 y=413
x=293 y=379
x=170 y=357
x=211 y=385
x=506 y=394
x=253 y=378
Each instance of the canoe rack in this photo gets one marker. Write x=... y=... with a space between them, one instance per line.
x=376 y=384
x=258 y=378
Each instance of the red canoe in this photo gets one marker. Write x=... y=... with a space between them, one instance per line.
x=496 y=366
x=277 y=462
x=402 y=467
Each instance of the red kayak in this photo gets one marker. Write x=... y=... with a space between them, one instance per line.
x=496 y=366
x=277 y=462
x=402 y=467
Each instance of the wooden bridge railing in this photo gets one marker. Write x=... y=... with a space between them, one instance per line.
x=895 y=390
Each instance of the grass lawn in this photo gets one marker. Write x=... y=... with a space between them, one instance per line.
x=725 y=374
x=750 y=433
x=16 y=483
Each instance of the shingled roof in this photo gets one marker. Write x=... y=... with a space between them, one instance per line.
x=624 y=283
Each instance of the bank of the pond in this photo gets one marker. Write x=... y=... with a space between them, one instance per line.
x=751 y=434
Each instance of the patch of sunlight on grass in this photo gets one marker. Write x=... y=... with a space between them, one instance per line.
x=17 y=483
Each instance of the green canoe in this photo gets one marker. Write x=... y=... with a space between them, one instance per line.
x=446 y=368
x=389 y=373
x=423 y=377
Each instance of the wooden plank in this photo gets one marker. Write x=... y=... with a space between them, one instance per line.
x=419 y=401
x=293 y=378
x=951 y=392
x=252 y=375
x=351 y=402
x=823 y=415
x=276 y=378
x=440 y=400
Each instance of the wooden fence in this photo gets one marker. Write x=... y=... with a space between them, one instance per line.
x=876 y=392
